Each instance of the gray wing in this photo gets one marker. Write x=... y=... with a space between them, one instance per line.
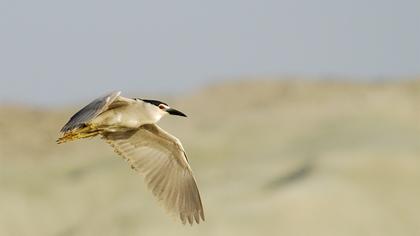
x=90 y=111
x=160 y=157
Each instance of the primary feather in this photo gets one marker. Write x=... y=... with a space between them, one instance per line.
x=160 y=157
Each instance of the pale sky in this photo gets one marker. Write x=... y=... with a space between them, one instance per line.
x=62 y=52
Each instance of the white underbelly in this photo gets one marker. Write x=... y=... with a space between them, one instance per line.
x=114 y=120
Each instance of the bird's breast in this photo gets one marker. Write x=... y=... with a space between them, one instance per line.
x=122 y=118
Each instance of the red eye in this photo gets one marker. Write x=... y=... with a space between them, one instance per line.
x=161 y=106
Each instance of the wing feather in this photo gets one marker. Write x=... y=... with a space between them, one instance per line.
x=161 y=159
x=90 y=111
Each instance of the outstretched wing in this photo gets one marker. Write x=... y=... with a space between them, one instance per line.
x=160 y=157
x=90 y=111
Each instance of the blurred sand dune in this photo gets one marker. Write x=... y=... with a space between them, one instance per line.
x=271 y=157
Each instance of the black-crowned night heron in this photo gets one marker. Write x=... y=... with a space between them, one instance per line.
x=129 y=126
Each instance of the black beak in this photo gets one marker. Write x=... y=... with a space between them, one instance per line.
x=175 y=112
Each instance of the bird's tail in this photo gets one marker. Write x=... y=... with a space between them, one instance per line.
x=89 y=131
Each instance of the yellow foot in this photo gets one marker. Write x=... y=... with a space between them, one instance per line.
x=86 y=132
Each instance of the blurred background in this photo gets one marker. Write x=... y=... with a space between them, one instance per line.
x=303 y=115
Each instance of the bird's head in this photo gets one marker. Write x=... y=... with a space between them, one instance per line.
x=162 y=108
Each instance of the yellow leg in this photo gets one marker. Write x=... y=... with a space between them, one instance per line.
x=86 y=132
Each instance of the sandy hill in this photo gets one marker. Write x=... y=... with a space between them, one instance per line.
x=273 y=157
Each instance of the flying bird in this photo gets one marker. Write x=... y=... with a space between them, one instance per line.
x=129 y=126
